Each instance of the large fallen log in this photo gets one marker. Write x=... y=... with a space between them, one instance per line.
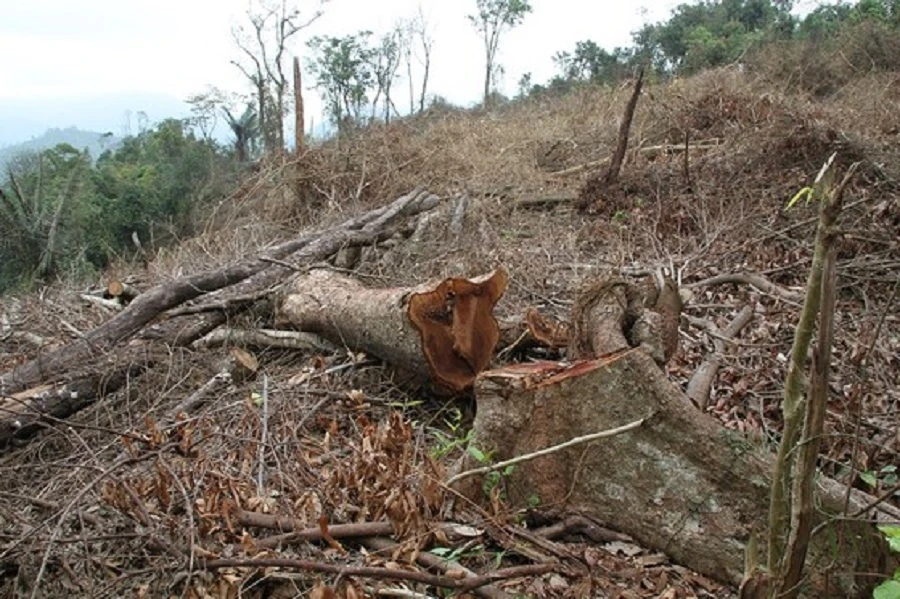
x=680 y=483
x=441 y=332
x=65 y=380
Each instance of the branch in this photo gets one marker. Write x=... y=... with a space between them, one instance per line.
x=701 y=383
x=758 y=281
x=547 y=451
x=448 y=582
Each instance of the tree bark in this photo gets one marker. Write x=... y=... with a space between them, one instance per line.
x=612 y=175
x=299 y=126
x=680 y=484
x=443 y=333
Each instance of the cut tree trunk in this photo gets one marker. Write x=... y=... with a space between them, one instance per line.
x=680 y=483
x=441 y=332
x=61 y=382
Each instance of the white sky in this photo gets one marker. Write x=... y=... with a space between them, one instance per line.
x=68 y=51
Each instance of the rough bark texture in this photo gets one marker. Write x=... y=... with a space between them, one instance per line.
x=612 y=175
x=299 y=123
x=442 y=331
x=100 y=363
x=681 y=483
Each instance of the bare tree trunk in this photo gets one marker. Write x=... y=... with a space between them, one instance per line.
x=409 y=77
x=427 y=65
x=263 y=121
x=612 y=175
x=299 y=126
x=489 y=66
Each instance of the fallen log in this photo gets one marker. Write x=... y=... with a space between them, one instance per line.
x=311 y=247
x=63 y=381
x=443 y=332
x=679 y=483
x=122 y=290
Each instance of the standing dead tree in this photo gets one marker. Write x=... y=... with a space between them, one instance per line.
x=416 y=43
x=385 y=57
x=264 y=43
x=594 y=186
x=299 y=126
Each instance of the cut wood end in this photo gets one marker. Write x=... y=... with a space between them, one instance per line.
x=457 y=327
x=115 y=288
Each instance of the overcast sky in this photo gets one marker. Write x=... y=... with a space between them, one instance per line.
x=64 y=60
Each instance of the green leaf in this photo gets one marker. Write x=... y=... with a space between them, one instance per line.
x=887 y=590
x=806 y=192
x=869 y=478
x=892 y=534
x=441 y=551
x=890 y=468
x=476 y=453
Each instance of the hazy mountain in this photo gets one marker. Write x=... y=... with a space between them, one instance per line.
x=95 y=142
x=120 y=114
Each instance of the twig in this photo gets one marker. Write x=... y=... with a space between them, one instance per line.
x=548 y=450
x=265 y=338
x=71 y=504
x=264 y=426
x=228 y=304
x=190 y=403
x=858 y=407
x=443 y=565
x=465 y=584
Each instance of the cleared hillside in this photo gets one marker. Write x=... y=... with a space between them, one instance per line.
x=107 y=503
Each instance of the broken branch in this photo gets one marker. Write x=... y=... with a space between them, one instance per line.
x=555 y=448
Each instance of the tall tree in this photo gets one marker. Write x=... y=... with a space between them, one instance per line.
x=205 y=107
x=386 y=57
x=263 y=40
x=342 y=68
x=492 y=18
x=709 y=34
x=416 y=40
x=43 y=214
x=590 y=62
x=423 y=44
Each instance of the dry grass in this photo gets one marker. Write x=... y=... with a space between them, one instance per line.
x=328 y=444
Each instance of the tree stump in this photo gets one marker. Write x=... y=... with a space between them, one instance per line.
x=680 y=483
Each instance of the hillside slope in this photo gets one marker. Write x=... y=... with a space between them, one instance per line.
x=340 y=431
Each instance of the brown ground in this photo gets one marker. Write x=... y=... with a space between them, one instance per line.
x=106 y=505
